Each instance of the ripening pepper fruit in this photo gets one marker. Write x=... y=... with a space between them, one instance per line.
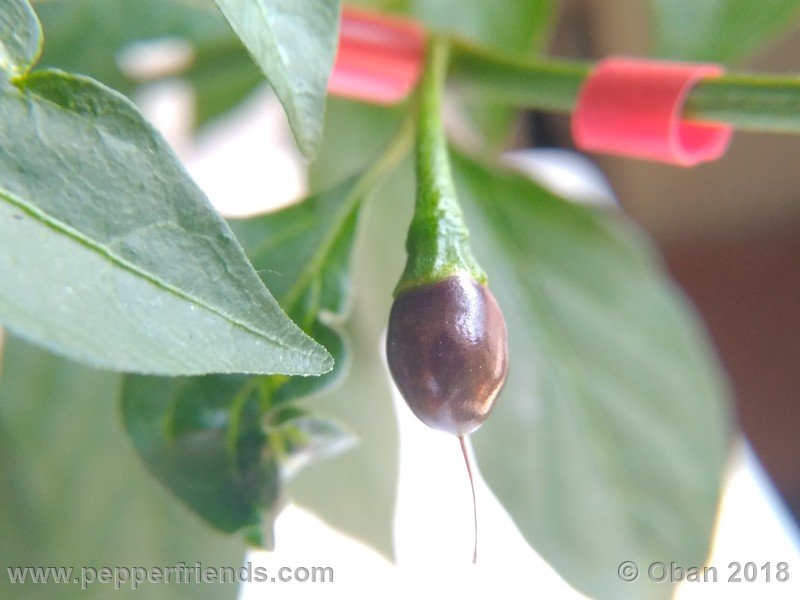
x=446 y=343
x=448 y=352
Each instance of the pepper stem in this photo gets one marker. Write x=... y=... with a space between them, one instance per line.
x=438 y=241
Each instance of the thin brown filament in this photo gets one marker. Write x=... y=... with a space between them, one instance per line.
x=463 y=440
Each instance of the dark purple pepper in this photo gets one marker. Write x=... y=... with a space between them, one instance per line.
x=448 y=352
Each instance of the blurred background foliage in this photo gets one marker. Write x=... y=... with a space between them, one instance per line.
x=74 y=491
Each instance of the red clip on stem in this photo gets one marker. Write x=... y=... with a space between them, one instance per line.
x=379 y=58
x=634 y=107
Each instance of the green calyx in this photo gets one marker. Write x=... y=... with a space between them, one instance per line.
x=438 y=240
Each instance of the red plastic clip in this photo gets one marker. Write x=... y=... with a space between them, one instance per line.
x=634 y=107
x=379 y=59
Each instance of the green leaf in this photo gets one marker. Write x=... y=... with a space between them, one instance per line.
x=303 y=254
x=610 y=437
x=112 y=255
x=203 y=438
x=219 y=445
x=222 y=443
x=718 y=30
x=223 y=447
x=20 y=37
x=294 y=43
x=74 y=493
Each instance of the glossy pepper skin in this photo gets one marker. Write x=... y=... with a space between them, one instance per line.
x=447 y=349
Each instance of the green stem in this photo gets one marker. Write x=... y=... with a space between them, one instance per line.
x=766 y=103
x=438 y=241
x=750 y=102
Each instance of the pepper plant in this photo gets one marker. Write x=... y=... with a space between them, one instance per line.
x=241 y=352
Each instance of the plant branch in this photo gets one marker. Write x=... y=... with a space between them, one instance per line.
x=766 y=103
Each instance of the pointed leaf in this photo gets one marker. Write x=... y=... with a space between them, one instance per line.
x=303 y=254
x=223 y=443
x=610 y=437
x=112 y=255
x=294 y=43
x=20 y=37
